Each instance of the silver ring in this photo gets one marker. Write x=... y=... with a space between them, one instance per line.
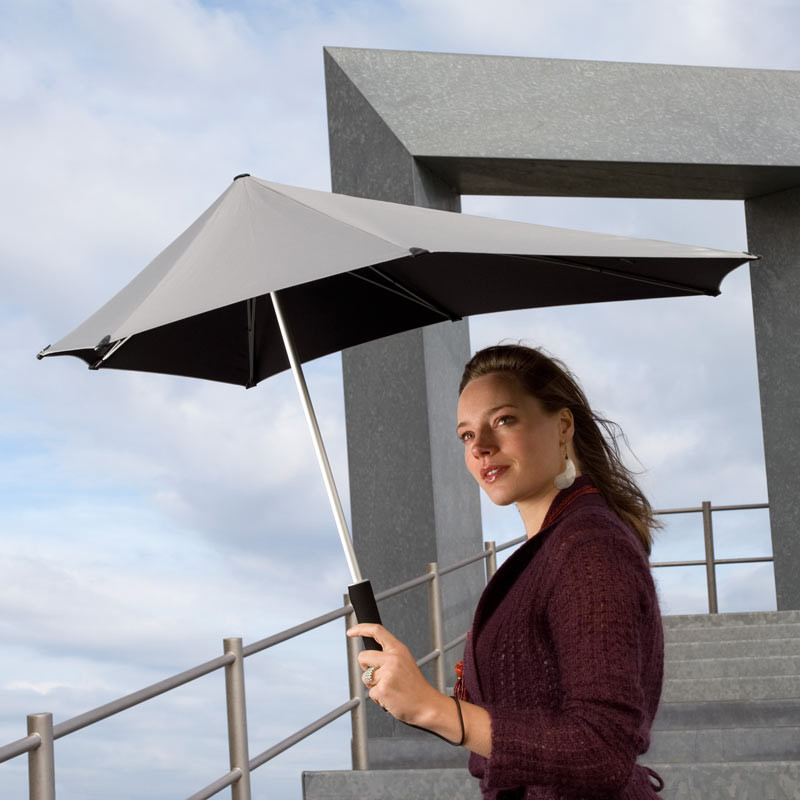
x=368 y=677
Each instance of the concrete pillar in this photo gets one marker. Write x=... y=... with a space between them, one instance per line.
x=773 y=231
x=412 y=500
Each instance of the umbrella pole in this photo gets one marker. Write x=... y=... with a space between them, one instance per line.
x=361 y=594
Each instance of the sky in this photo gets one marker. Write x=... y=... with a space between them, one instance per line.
x=143 y=518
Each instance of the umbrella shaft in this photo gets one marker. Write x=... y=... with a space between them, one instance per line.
x=319 y=445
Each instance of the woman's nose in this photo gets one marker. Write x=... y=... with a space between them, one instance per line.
x=482 y=444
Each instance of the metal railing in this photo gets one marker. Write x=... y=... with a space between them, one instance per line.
x=42 y=733
x=710 y=562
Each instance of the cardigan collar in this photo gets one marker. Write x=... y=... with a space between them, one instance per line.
x=582 y=493
x=581 y=487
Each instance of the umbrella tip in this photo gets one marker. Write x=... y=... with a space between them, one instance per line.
x=40 y=355
x=242 y=175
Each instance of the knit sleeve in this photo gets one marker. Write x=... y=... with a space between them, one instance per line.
x=588 y=741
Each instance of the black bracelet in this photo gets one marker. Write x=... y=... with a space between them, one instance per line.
x=461 y=720
x=444 y=739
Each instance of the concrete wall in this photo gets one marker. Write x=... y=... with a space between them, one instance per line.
x=411 y=497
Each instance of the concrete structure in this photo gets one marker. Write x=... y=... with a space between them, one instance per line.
x=424 y=128
x=412 y=502
x=427 y=127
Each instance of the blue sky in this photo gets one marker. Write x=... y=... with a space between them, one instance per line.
x=144 y=518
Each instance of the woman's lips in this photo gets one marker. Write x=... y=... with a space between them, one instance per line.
x=492 y=473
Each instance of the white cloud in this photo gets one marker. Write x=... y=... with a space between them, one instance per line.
x=699 y=32
x=44 y=688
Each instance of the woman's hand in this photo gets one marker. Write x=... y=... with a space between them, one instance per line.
x=398 y=685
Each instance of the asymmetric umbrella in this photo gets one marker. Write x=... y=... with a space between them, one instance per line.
x=273 y=275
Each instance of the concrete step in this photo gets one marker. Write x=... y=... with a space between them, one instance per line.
x=391 y=784
x=423 y=752
x=742 y=648
x=724 y=745
x=722 y=620
x=728 y=714
x=730 y=633
x=712 y=689
x=733 y=667
x=772 y=780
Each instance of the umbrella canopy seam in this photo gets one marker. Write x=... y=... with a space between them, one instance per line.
x=618 y=273
x=406 y=293
x=325 y=214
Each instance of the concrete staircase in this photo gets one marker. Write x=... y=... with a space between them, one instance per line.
x=729 y=722
x=728 y=727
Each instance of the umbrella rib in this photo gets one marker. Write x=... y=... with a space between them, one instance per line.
x=406 y=293
x=251 y=340
x=116 y=346
x=618 y=273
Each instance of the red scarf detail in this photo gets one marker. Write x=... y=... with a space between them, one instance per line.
x=557 y=510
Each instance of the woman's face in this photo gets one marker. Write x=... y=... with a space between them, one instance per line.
x=512 y=446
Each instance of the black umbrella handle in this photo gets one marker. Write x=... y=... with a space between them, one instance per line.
x=362 y=599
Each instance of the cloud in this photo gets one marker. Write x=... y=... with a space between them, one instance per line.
x=144 y=517
x=699 y=32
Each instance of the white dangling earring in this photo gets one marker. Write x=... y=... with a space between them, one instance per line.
x=566 y=478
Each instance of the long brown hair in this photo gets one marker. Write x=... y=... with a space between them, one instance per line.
x=596 y=440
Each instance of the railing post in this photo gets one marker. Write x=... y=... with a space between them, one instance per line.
x=237 y=719
x=711 y=570
x=358 y=716
x=436 y=625
x=41 y=761
x=491 y=559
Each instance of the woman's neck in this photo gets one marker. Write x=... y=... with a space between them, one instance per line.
x=533 y=512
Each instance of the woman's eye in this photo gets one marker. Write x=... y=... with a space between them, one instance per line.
x=504 y=420
x=466 y=436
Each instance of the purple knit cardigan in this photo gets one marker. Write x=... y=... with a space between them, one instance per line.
x=567 y=653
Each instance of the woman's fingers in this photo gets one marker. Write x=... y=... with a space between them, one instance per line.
x=396 y=682
x=370 y=658
x=368 y=676
x=376 y=632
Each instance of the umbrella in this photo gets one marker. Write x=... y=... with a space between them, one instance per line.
x=274 y=275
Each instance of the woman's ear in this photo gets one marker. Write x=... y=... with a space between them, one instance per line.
x=566 y=424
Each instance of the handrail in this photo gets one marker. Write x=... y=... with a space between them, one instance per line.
x=753 y=560
x=710 y=562
x=511 y=543
x=298 y=736
x=20 y=746
x=662 y=511
x=135 y=698
x=403 y=587
x=290 y=633
x=465 y=562
x=38 y=744
x=217 y=786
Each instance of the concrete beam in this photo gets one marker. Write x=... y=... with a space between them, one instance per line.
x=540 y=126
x=412 y=500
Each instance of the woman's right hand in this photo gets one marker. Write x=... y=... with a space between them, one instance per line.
x=399 y=686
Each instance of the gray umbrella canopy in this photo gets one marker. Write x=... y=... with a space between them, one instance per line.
x=350 y=270
x=271 y=275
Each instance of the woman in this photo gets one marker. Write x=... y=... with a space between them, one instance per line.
x=563 y=667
